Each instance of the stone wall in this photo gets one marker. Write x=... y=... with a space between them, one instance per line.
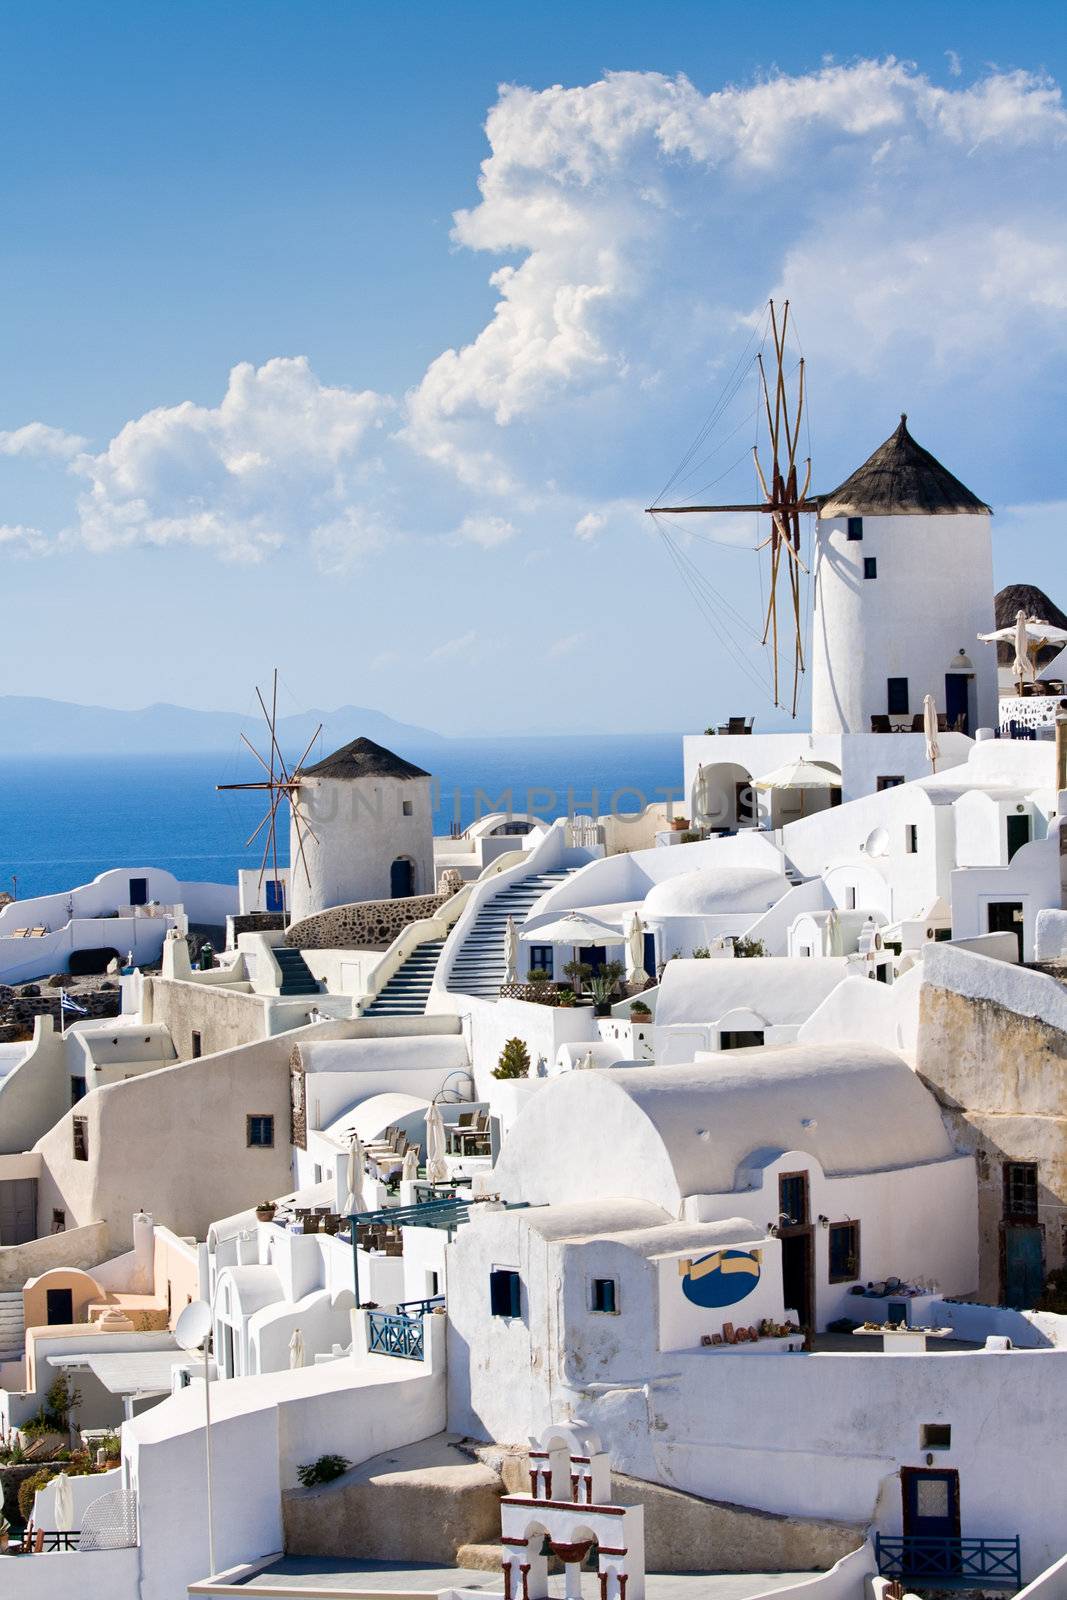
x=258 y=922
x=18 y=1007
x=365 y=925
x=1000 y=1077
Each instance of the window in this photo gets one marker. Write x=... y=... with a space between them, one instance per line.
x=793 y=1199
x=261 y=1132
x=1020 y=1190
x=77 y=1090
x=896 y=696
x=81 y=1138
x=870 y=567
x=740 y=1039
x=888 y=782
x=911 y=838
x=850 y=898
x=504 y=1292
x=605 y=1296
x=855 y=527
x=844 y=1251
x=409 y=808
x=197 y=1045
x=541 y=958
x=59 y=1221
x=935 y=1436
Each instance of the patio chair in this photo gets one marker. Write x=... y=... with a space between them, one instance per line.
x=880 y=723
x=736 y=725
x=918 y=724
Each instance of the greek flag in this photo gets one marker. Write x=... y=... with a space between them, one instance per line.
x=67 y=1004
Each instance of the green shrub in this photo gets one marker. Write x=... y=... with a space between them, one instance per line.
x=749 y=947
x=324 y=1470
x=29 y=1487
x=514 y=1060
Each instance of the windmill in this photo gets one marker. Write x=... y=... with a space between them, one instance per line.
x=783 y=502
x=278 y=782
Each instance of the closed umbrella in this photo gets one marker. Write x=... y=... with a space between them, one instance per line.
x=296 y=1349
x=64 y=1504
x=587 y=1064
x=933 y=749
x=702 y=795
x=410 y=1170
x=635 y=941
x=511 y=951
x=436 y=1165
x=355 y=1175
x=835 y=944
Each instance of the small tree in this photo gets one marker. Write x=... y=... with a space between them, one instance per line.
x=514 y=1060
x=577 y=972
x=749 y=947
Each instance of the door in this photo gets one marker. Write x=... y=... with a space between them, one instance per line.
x=1024 y=1265
x=1006 y=916
x=1018 y=834
x=931 y=1511
x=649 y=957
x=401 y=878
x=138 y=891
x=59 y=1306
x=594 y=956
x=797 y=1275
x=956 y=709
x=275 y=894
x=18 y=1210
x=745 y=803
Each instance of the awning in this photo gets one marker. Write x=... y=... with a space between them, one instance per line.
x=132 y=1374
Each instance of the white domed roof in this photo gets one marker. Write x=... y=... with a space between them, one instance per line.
x=714 y=892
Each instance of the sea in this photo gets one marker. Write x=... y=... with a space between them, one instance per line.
x=63 y=819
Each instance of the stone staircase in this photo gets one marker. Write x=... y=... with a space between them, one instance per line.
x=296 y=974
x=479 y=966
x=407 y=991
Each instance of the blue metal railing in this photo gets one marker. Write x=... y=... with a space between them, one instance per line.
x=950 y=1563
x=392 y=1335
x=419 y=1308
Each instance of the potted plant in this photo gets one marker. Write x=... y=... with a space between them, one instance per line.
x=679 y=824
x=265 y=1211
x=5 y=1532
x=578 y=972
x=640 y=1013
x=514 y=1060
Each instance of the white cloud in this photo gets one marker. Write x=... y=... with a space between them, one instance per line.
x=590 y=525
x=488 y=532
x=19 y=540
x=38 y=439
x=567 y=645
x=462 y=647
x=630 y=227
x=955 y=65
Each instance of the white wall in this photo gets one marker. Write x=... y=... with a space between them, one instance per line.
x=354 y=830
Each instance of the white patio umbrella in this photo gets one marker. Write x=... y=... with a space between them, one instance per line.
x=511 y=951
x=800 y=774
x=436 y=1165
x=355 y=1174
x=576 y=929
x=64 y=1504
x=635 y=941
x=933 y=749
x=410 y=1169
x=296 y=1350
x=1028 y=635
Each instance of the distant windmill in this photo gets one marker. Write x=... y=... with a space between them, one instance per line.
x=784 y=502
x=278 y=783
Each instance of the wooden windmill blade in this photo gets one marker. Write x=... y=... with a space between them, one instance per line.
x=783 y=501
x=277 y=783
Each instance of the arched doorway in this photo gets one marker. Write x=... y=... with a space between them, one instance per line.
x=402 y=878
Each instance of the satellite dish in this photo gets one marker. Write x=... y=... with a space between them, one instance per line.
x=194 y=1325
x=877 y=842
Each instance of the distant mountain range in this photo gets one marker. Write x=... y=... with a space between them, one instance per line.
x=32 y=726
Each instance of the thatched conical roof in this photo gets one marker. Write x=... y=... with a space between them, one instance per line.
x=1026 y=597
x=901 y=479
x=362 y=758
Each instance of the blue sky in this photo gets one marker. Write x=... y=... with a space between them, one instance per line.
x=422 y=490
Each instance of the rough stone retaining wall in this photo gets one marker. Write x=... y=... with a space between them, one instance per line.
x=365 y=925
x=258 y=922
x=18 y=1009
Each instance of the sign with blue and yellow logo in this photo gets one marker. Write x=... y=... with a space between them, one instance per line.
x=721 y=1279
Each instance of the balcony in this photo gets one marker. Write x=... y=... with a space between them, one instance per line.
x=950 y=1563
x=395 y=1335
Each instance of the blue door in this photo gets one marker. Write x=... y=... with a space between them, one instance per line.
x=1024 y=1266
x=931 y=1512
x=275 y=894
x=649 y=958
x=401 y=878
x=138 y=891
x=956 y=701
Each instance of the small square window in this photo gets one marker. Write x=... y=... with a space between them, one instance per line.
x=505 y=1293
x=80 y=1126
x=844 y=1252
x=870 y=567
x=260 y=1132
x=935 y=1436
x=409 y=808
x=911 y=838
x=890 y=781
x=605 y=1295
x=855 y=527
x=196 y=1045
x=1020 y=1191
